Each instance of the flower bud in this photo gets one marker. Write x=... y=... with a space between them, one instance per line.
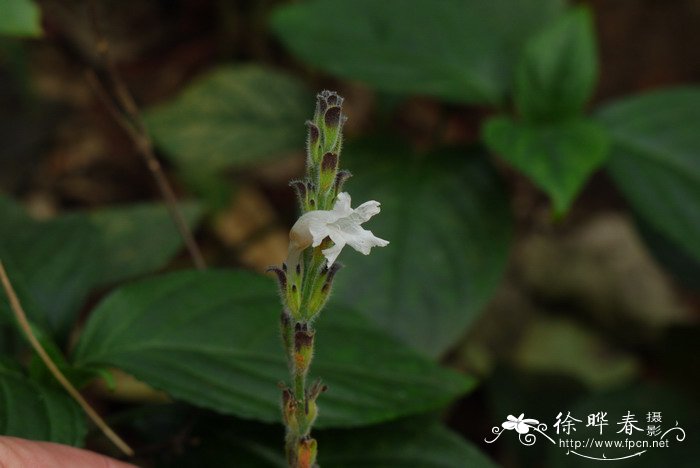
x=330 y=273
x=281 y=278
x=299 y=187
x=327 y=174
x=303 y=348
x=316 y=389
x=289 y=410
x=305 y=194
x=324 y=100
x=294 y=281
x=313 y=143
x=321 y=104
x=306 y=453
x=340 y=179
x=310 y=405
x=333 y=121
x=322 y=289
x=287 y=330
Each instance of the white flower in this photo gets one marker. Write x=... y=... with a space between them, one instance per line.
x=341 y=224
x=522 y=426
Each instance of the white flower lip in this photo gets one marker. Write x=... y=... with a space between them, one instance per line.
x=342 y=225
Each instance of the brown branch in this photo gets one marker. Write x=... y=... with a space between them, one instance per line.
x=55 y=371
x=122 y=106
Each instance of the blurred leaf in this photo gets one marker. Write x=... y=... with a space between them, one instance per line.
x=19 y=18
x=559 y=346
x=409 y=443
x=138 y=239
x=400 y=445
x=671 y=358
x=36 y=412
x=448 y=222
x=673 y=258
x=458 y=50
x=41 y=374
x=557 y=157
x=230 y=117
x=655 y=160
x=9 y=365
x=54 y=264
x=558 y=69
x=212 y=339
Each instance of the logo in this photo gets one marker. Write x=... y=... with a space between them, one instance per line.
x=626 y=436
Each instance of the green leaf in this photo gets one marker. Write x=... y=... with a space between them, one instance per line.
x=19 y=18
x=41 y=374
x=410 y=444
x=138 y=239
x=558 y=157
x=36 y=412
x=55 y=264
x=557 y=72
x=52 y=265
x=230 y=117
x=563 y=347
x=463 y=51
x=212 y=339
x=400 y=445
x=449 y=224
x=674 y=259
x=655 y=160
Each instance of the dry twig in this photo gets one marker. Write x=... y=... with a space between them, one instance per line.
x=116 y=97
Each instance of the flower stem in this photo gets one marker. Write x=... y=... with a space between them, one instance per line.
x=305 y=282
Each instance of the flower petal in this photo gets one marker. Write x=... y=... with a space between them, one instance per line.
x=364 y=240
x=342 y=224
x=508 y=425
x=342 y=205
x=332 y=253
x=364 y=212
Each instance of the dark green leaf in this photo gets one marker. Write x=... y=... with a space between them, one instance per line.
x=54 y=264
x=32 y=411
x=138 y=239
x=557 y=157
x=563 y=347
x=400 y=445
x=448 y=222
x=19 y=18
x=558 y=69
x=414 y=444
x=41 y=374
x=230 y=117
x=458 y=50
x=673 y=258
x=655 y=160
x=212 y=339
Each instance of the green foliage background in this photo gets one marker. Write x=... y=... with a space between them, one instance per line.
x=426 y=344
